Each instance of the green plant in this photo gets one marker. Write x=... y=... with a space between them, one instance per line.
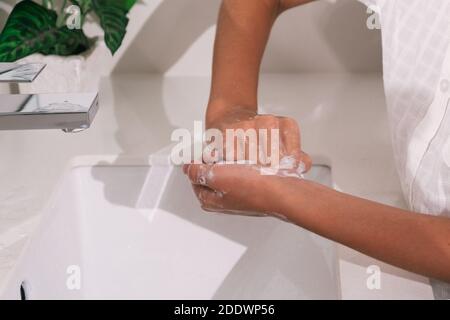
x=41 y=28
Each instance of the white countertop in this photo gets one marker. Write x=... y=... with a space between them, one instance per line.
x=343 y=122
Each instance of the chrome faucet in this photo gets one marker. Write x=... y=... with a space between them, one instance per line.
x=12 y=72
x=70 y=112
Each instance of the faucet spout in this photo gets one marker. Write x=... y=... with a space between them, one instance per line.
x=70 y=112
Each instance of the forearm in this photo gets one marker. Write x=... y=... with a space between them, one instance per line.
x=412 y=241
x=242 y=32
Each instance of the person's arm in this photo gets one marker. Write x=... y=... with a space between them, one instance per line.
x=243 y=29
x=412 y=241
x=242 y=33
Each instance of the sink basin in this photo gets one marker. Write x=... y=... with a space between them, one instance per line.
x=116 y=232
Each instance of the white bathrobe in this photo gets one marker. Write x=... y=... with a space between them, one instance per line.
x=416 y=63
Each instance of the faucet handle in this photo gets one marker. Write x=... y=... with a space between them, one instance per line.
x=16 y=73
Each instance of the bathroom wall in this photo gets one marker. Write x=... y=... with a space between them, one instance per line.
x=327 y=36
x=5 y=7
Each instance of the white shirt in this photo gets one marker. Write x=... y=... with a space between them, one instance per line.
x=416 y=63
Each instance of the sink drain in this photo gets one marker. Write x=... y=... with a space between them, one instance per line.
x=23 y=291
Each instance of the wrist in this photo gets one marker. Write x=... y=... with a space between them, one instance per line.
x=215 y=111
x=288 y=197
x=220 y=109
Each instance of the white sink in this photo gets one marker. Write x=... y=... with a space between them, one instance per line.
x=97 y=233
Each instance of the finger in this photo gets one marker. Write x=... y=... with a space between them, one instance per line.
x=199 y=174
x=290 y=137
x=268 y=123
x=239 y=140
x=210 y=200
x=306 y=160
x=213 y=147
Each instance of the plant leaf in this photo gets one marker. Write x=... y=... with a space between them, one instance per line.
x=70 y=42
x=113 y=20
x=31 y=28
x=129 y=4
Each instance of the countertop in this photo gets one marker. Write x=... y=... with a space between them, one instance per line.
x=343 y=122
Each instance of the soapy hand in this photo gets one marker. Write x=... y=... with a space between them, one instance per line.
x=235 y=188
x=289 y=145
x=249 y=189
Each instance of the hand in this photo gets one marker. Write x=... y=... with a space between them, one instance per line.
x=236 y=189
x=244 y=118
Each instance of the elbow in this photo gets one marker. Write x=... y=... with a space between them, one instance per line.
x=284 y=5
x=276 y=6
x=239 y=9
x=271 y=6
